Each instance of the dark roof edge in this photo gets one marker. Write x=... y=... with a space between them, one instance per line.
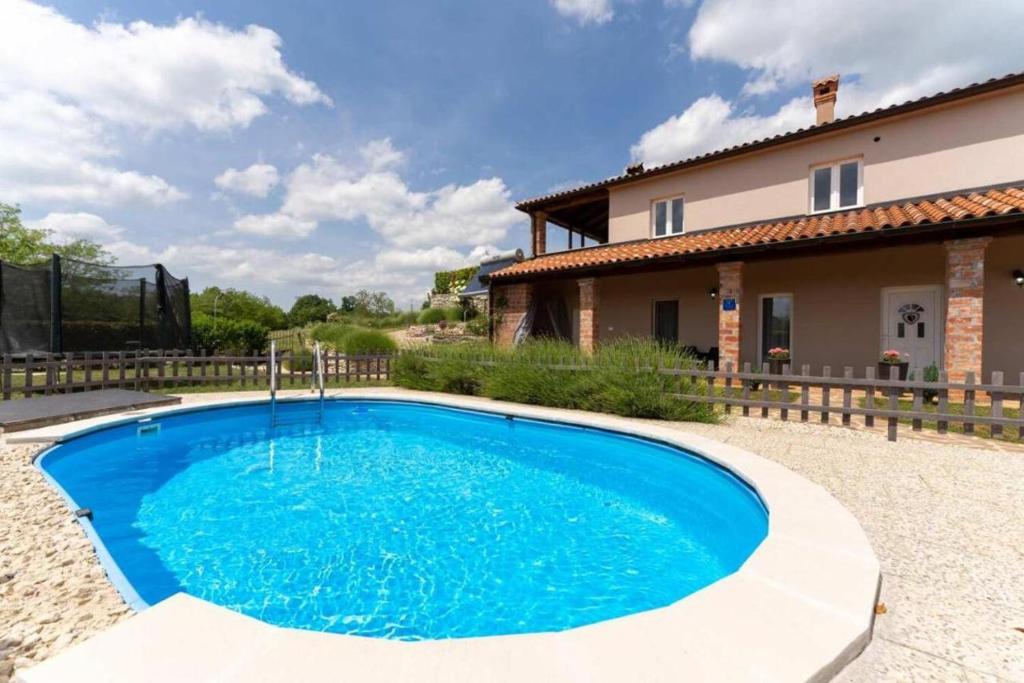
x=972 y=90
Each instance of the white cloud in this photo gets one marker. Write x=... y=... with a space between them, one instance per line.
x=380 y=155
x=585 y=11
x=712 y=123
x=784 y=46
x=191 y=72
x=257 y=180
x=68 y=227
x=327 y=189
x=274 y=224
x=70 y=92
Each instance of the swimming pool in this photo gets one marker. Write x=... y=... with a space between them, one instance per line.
x=403 y=520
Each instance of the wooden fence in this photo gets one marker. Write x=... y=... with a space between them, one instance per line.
x=28 y=375
x=787 y=394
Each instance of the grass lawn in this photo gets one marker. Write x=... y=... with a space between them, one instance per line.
x=985 y=431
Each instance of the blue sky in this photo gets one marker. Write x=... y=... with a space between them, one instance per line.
x=374 y=142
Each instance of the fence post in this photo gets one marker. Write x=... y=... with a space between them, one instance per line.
x=969 y=403
x=7 y=377
x=1020 y=408
x=348 y=369
x=784 y=393
x=847 y=396
x=746 y=390
x=942 y=425
x=805 y=393
x=47 y=379
x=869 y=396
x=894 y=392
x=917 y=405
x=764 y=391
x=69 y=372
x=826 y=393
x=230 y=370
x=174 y=369
x=728 y=385
x=29 y=363
x=104 y=369
x=291 y=367
x=997 y=403
x=120 y=369
x=87 y=359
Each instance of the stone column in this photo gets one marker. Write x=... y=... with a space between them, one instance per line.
x=588 y=314
x=965 y=299
x=730 y=287
x=511 y=302
x=540 y=233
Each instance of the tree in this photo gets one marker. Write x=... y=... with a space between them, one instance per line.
x=348 y=304
x=237 y=304
x=19 y=244
x=310 y=308
x=373 y=303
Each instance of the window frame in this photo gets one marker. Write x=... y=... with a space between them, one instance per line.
x=834 y=190
x=668 y=216
x=762 y=353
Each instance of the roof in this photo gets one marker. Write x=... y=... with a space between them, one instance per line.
x=896 y=217
x=972 y=90
x=476 y=286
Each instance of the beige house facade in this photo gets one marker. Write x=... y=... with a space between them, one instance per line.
x=901 y=228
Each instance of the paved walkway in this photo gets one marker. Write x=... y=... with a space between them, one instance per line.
x=946 y=521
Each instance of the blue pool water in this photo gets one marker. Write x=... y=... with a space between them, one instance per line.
x=407 y=521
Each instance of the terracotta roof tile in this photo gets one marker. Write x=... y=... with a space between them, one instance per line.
x=955 y=207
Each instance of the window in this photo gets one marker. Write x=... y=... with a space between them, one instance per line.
x=667 y=217
x=836 y=186
x=666 y=321
x=776 y=323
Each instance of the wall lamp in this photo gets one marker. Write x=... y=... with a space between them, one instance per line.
x=1018 y=277
x=713 y=292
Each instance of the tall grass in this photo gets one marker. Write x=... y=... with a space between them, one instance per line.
x=352 y=339
x=621 y=377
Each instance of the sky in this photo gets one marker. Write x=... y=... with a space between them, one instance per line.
x=322 y=146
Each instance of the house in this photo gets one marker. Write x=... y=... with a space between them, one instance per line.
x=897 y=228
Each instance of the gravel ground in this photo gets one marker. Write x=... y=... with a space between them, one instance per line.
x=946 y=520
x=53 y=591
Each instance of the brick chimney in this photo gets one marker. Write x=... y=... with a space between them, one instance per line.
x=825 y=90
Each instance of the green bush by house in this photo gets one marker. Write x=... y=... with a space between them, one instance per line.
x=620 y=378
x=364 y=342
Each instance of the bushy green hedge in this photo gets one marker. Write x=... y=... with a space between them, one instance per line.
x=229 y=336
x=363 y=342
x=353 y=340
x=619 y=378
x=453 y=281
x=378 y=322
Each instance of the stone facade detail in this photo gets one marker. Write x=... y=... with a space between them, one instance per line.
x=965 y=299
x=589 y=326
x=730 y=286
x=511 y=302
x=540 y=232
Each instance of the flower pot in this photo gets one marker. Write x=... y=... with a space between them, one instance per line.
x=775 y=365
x=884 y=370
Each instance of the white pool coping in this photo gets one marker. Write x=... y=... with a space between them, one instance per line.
x=799 y=609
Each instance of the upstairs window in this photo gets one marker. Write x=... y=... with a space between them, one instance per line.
x=667 y=217
x=836 y=186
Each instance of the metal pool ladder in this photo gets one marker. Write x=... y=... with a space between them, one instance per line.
x=317 y=379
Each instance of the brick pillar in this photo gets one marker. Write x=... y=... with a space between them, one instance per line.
x=730 y=286
x=965 y=299
x=540 y=233
x=588 y=314
x=511 y=302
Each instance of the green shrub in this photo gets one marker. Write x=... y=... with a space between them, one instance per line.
x=479 y=326
x=300 y=361
x=229 y=336
x=364 y=342
x=431 y=316
x=620 y=378
x=332 y=335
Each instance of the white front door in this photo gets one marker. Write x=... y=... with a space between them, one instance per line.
x=911 y=324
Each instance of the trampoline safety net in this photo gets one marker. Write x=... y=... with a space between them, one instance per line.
x=68 y=306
